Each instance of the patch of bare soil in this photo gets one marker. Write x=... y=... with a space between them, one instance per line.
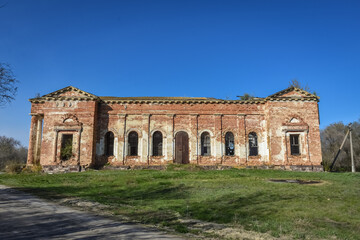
x=203 y=230
x=223 y=231
x=90 y=206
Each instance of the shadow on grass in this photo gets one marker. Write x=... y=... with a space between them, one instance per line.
x=114 y=194
x=259 y=206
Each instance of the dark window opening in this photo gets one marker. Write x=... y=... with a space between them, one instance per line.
x=253 y=144
x=66 y=151
x=133 y=144
x=294 y=143
x=205 y=144
x=229 y=144
x=157 y=143
x=109 y=144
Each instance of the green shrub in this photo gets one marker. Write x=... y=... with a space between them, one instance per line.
x=66 y=150
x=32 y=169
x=14 y=168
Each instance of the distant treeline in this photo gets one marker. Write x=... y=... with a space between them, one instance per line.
x=331 y=139
x=11 y=152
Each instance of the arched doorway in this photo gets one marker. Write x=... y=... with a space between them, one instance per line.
x=181 y=148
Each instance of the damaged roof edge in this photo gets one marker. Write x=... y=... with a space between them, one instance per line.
x=107 y=99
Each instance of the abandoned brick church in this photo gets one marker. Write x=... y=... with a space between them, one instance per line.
x=73 y=128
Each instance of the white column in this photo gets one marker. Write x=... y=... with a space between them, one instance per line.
x=170 y=138
x=38 y=139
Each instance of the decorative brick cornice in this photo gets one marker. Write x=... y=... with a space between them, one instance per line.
x=85 y=96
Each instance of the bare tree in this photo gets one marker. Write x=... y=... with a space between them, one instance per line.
x=8 y=88
x=11 y=152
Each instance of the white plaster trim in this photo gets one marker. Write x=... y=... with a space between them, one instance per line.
x=302 y=141
x=134 y=130
x=115 y=147
x=223 y=141
x=205 y=130
x=164 y=142
x=156 y=130
x=139 y=150
x=260 y=146
x=182 y=130
x=212 y=143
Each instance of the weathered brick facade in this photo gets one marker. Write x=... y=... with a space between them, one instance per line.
x=279 y=130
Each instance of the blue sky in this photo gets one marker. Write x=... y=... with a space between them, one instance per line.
x=194 y=48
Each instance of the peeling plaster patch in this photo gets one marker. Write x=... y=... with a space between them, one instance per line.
x=294 y=120
x=116 y=143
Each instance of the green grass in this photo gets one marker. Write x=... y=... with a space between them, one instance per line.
x=238 y=197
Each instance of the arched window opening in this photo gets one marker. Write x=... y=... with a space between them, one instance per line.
x=205 y=144
x=253 y=144
x=229 y=144
x=133 y=144
x=109 y=144
x=157 y=143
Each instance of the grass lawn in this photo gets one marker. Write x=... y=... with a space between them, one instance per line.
x=240 y=198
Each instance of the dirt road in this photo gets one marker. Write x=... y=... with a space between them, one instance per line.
x=23 y=216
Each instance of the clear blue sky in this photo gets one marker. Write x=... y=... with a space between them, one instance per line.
x=190 y=48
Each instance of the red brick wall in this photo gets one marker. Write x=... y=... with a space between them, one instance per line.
x=271 y=121
x=278 y=116
x=54 y=115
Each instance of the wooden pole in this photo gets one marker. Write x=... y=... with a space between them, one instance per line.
x=342 y=145
x=351 y=152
